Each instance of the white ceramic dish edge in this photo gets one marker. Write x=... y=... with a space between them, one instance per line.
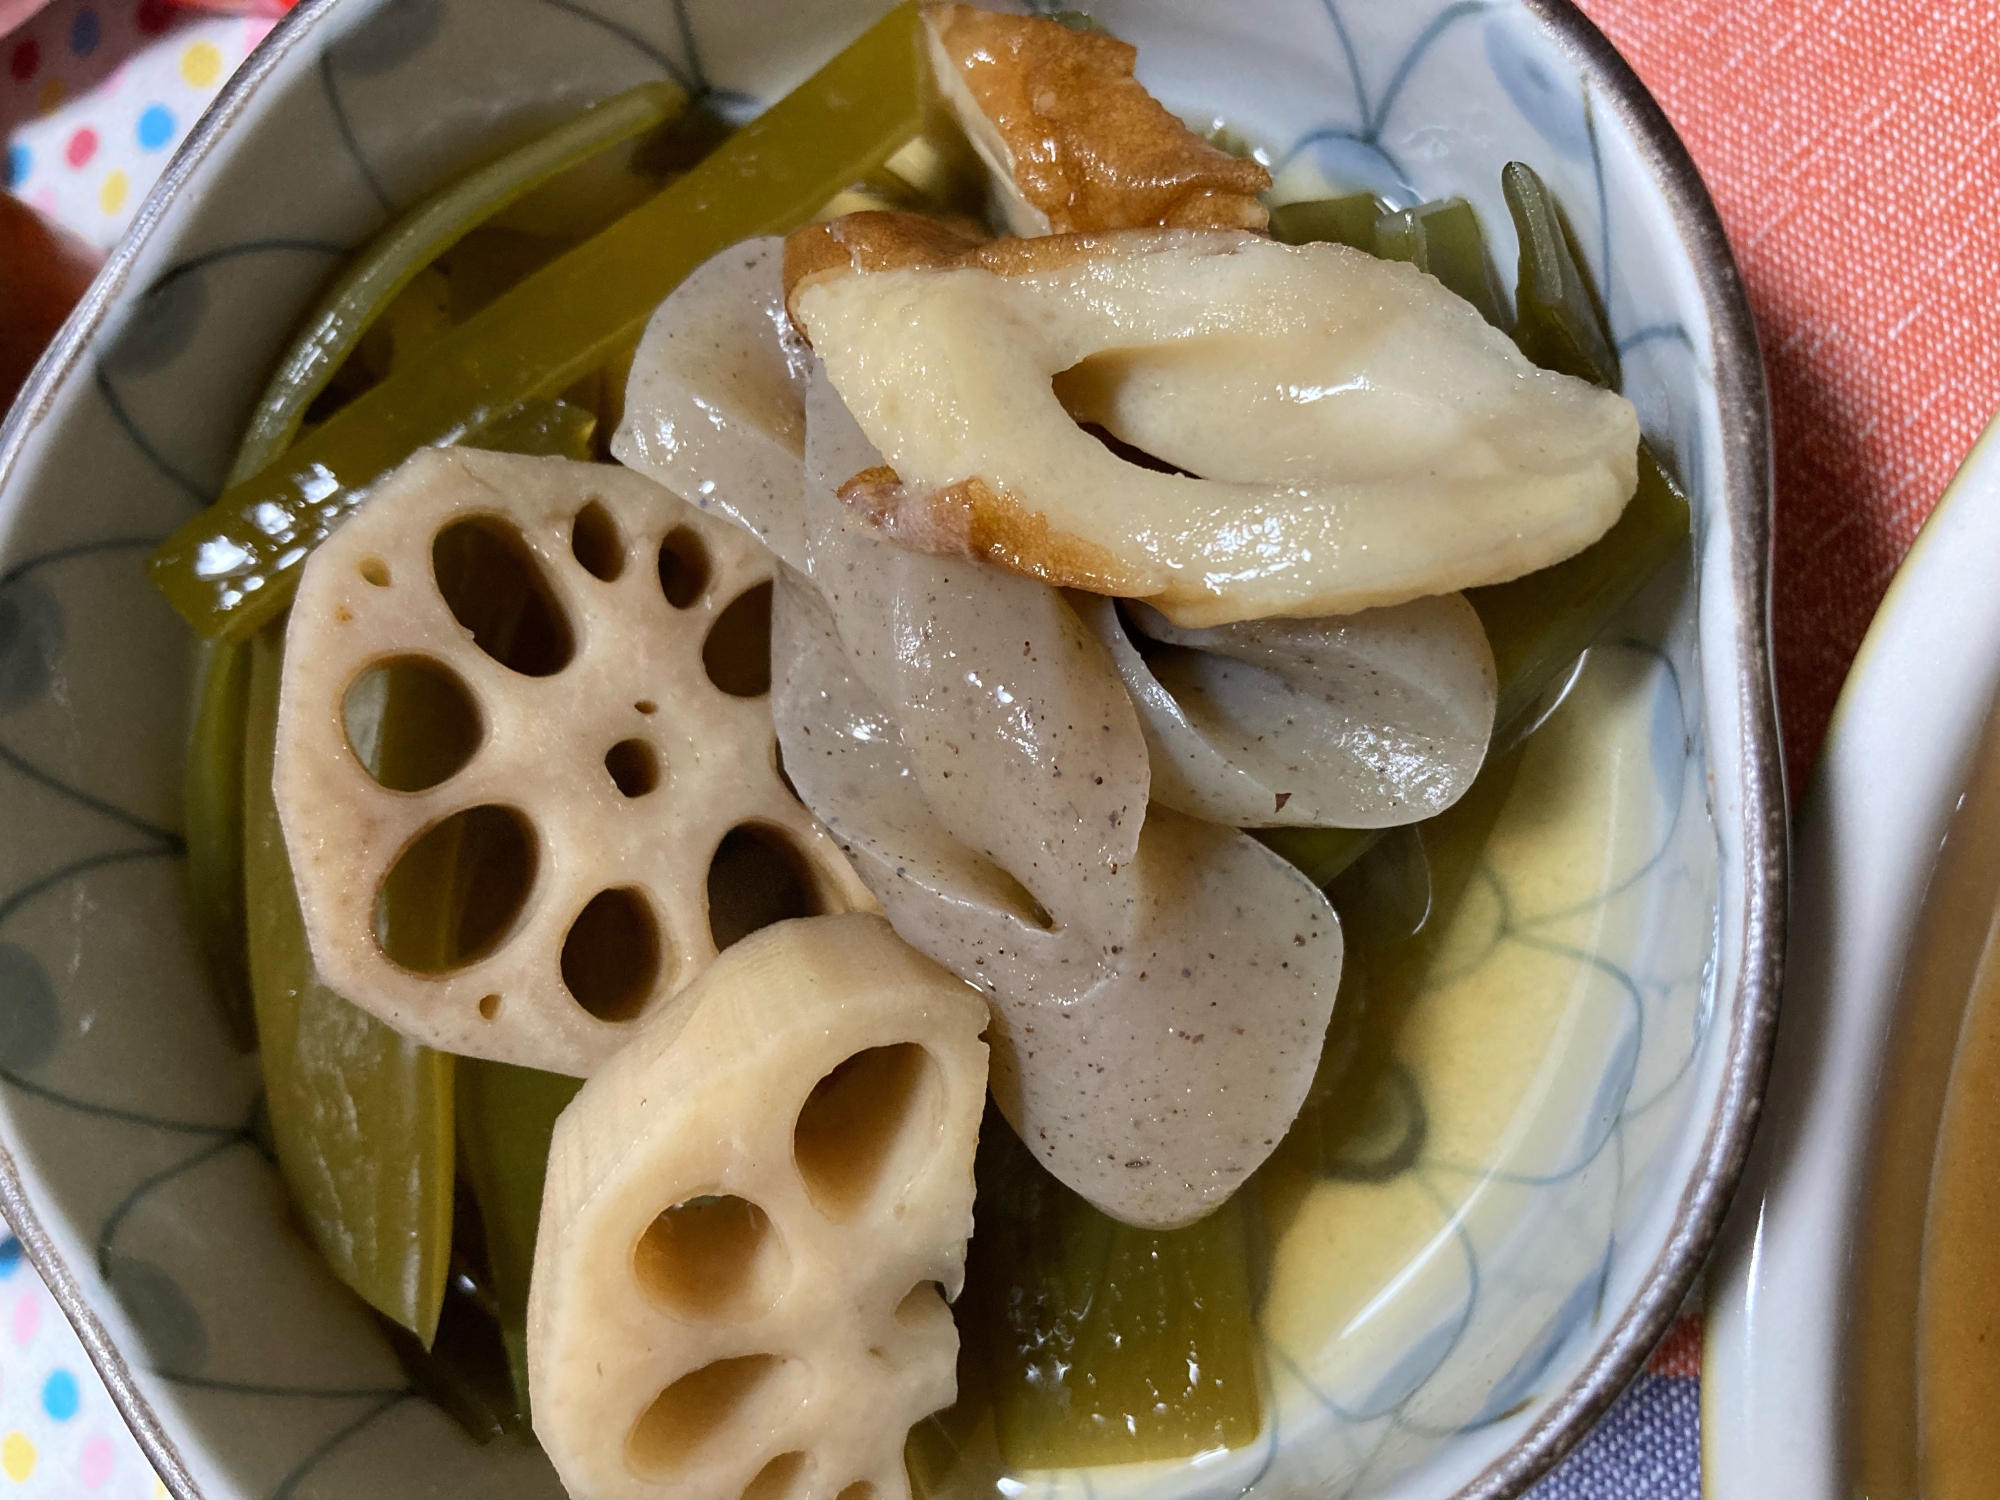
x=1897 y=755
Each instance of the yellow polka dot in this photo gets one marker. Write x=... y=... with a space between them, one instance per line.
x=111 y=197
x=201 y=65
x=17 y=1456
x=51 y=95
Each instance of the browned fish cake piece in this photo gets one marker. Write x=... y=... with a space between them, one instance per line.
x=1087 y=147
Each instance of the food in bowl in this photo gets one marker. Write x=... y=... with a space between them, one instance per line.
x=1039 y=567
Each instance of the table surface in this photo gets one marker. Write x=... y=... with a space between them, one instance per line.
x=1850 y=146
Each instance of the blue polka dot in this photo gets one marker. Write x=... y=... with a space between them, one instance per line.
x=156 y=127
x=59 y=1395
x=10 y=1256
x=84 y=32
x=18 y=162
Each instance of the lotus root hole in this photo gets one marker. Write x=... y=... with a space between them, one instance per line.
x=489 y=1007
x=756 y=877
x=374 y=572
x=861 y=1489
x=455 y=893
x=496 y=589
x=778 y=1479
x=438 y=721
x=1087 y=387
x=647 y=706
x=611 y=957
x=705 y=1413
x=737 y=653
x=713 y=1258
x=868 y=1127
x=634 y=767
x=683 y=567
x=595 y=543
x=922 y=1306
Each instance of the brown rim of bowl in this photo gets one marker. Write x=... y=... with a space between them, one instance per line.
x=1746 y=454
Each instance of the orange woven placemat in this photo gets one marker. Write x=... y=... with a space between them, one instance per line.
x=1853 y=147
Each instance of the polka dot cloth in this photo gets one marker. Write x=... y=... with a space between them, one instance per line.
x=60 y=1436
x=95 y=95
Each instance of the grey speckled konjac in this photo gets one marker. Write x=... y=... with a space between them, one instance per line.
x=127 y=1162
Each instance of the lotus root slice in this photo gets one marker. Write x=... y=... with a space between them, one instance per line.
x=754 y=1217
x=619 y=765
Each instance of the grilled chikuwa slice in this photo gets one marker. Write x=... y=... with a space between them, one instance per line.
x=1071 y=140
x=1326 y=432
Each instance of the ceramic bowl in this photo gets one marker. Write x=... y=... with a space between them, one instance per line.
x=1451 y=1300
x=1780 y=1413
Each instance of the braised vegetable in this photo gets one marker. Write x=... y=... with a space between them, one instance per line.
x=361 y=1118
x=395 y=295
x=1539 y=625
x=765 y=1195
x=1557 y=319
x=1445 y=240
x=543 y=428
x=505 y=1118
x=1442 y=238
x=396 y=257
x=212 y=813
x=1094 y=1342
x=1100 y=1343
x=465 y=1369
x=1340 y=221
x=392 y=294
x=230 y=570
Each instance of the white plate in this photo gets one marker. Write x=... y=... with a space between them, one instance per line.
x=1895 y=763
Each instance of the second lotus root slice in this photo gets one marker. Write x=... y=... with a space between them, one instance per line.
x=524 y=736
x=754 y=1215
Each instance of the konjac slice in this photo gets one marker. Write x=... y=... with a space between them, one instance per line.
x=753 y=1218
x=1359 y=721
x=715 y=408
x=1020 y=735
x=1220 y=993
x=844 y=752
x=1349 y=434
